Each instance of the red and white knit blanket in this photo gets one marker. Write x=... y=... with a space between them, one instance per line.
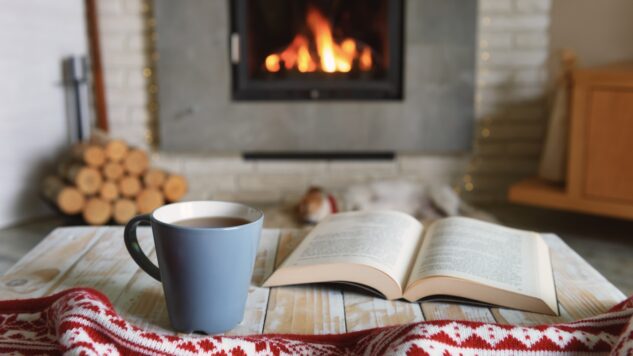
x=83 y=321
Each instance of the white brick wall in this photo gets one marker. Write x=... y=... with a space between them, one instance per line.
x=511 y=87
x=513 y=50
x=121 y=26
x=230 y=177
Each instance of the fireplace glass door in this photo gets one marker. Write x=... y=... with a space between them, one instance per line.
x=317 y=49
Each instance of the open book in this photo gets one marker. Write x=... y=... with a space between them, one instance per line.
x=395 y=255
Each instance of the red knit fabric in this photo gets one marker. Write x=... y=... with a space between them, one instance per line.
x=83 y=321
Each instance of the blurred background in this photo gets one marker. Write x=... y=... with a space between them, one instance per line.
x=523 y=109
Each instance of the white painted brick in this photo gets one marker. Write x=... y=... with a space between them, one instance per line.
x=118 y=113
x=516 y=58
x=525 y=149
x=205 y=185
x=508 y=149
x=335 y=181
x=533 y=6
x=121 y=24
x=505 y=95
x=135 y=42
x=431 y=169
x=369 y=167
x=505 y=165
x=217 y=165
x=526 y=111
x=109 y=8
x=135 y=78
x=524 y=131
x=114 y=42
x=495 y=6
x=133 y=134
x=514 y=23
x=125 y=59
x=134 y=7
x=291 y=166
x=531 y=39
x=119 y=121
x=266 y=196
x=137 y=115
x=494 y=40
x=272 y=181
x=290 y=198
x=126 y=97
x=511 y=77
x=170 y=162
x=114 y=78
x=193 y=195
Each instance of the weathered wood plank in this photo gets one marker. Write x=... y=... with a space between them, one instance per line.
x=452 y=311
x=257 y=301
x=363 y=311
x=289 y=239
x=581 y=290
x=43 y=267
x=107 y=266
x=303 y=309
x=518 y=317
x=142 y=301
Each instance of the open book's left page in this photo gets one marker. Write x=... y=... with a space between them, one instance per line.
x=384 y=240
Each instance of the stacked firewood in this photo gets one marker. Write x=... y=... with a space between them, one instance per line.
x=104 y=179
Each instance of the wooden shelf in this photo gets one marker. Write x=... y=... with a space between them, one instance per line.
x=538 y=192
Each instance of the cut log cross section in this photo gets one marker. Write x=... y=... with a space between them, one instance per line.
x=67 y=198
x=104 y=179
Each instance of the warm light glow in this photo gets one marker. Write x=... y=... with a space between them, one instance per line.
x=365 y=59
x=304 y=60
x=330 y=56
x=349 y=47
x=272 y=63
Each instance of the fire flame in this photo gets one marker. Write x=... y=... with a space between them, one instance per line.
x=330 y=56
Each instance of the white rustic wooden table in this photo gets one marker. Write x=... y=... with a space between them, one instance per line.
x=97 y=258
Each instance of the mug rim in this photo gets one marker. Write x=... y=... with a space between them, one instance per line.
x=160 y=222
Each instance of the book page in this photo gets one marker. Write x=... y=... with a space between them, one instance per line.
x=385 y=240
x=486 y=253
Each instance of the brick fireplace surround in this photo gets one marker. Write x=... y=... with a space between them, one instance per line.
x=509 y=100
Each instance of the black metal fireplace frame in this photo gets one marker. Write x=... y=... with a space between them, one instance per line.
x=248 y=89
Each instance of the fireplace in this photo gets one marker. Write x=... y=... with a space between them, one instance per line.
x=316 y=49
x=217 y=94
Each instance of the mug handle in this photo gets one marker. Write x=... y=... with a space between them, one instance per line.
x=133 y=247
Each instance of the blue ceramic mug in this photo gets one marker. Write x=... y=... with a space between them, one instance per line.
x=205 y=271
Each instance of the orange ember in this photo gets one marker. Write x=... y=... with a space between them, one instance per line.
x=330 y=56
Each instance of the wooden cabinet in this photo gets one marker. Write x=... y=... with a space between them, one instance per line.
x=600 y=161
x=609 y=148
